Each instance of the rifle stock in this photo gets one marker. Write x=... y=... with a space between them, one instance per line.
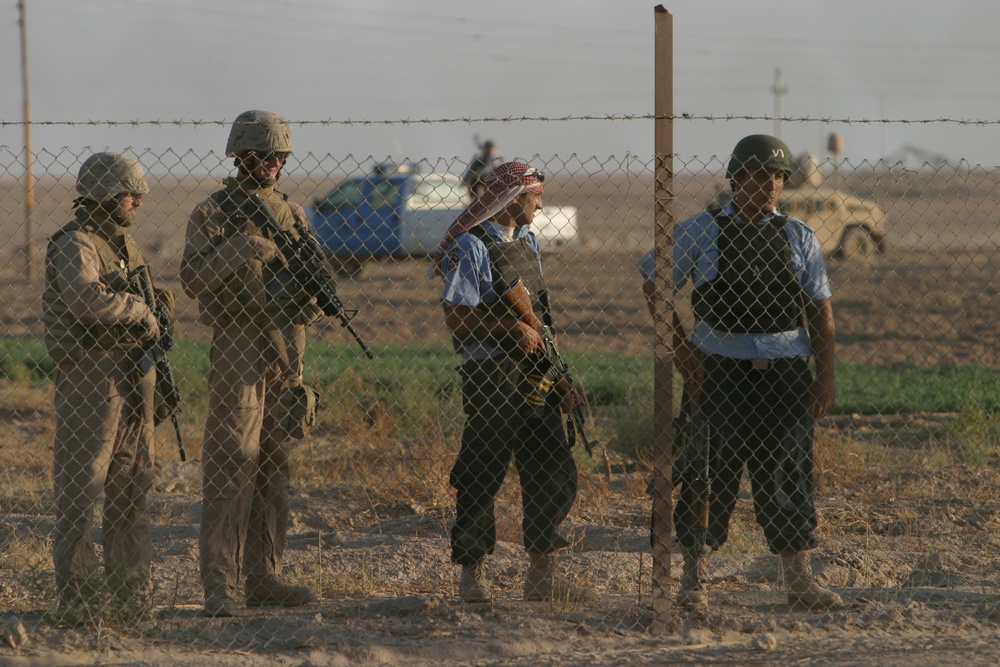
x=696 y=472
x=519 y=301
x=308 y=266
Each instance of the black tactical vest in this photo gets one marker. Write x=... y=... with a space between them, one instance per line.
x=756 y=290
x=510 y=262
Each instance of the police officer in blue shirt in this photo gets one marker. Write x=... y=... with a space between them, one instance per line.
x=488 y=250
x=761 y=303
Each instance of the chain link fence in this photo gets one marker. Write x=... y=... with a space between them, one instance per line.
x=906 y=465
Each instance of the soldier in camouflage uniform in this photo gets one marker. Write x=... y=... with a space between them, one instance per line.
x=95 y=329
x=258 y=337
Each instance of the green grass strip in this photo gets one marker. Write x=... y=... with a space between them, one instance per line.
x=411 y=375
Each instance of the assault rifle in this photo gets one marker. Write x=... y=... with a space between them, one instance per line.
x=554 y=371
x=155 y=352
x=307 y=264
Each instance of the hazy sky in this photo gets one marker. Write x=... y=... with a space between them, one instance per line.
x=378 y=60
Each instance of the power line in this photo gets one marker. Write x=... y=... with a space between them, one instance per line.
x=522 y=119
x=798 y=45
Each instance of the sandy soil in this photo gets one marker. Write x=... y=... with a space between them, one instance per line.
x=931 y=590
x=914 y=553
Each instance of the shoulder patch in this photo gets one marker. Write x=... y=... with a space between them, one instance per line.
x=452 y=258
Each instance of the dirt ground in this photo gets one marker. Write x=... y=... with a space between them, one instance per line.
x=930 y=301
x=914 y=552
x=922 y=594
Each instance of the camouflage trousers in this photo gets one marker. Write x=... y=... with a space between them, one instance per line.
x=245 y=467
x=103 y=443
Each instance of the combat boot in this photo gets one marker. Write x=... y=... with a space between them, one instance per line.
x=73 y=612
x=80 y=603
x=803 y=589
x=269 y=591
x=543 y=583
x=473 y=587
x=692 y=594
x=133 y=598
x=219 y=603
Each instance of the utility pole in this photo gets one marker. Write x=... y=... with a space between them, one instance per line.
x=29 y=177
x=779 y=91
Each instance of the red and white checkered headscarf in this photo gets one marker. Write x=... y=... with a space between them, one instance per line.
x=506 y=182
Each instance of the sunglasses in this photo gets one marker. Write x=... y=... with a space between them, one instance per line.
x=537 y=173
x=270 y=156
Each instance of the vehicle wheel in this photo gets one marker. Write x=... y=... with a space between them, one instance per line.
x=857 y=245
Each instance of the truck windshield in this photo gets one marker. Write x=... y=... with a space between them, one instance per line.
x=438 y=193
x=347 y=195
x=385 y=194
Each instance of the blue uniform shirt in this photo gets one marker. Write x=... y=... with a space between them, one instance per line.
x=696 y=258
x=468 y=278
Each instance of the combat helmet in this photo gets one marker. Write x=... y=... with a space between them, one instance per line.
x=760 y=150
x=261 y=131
x=106 y=175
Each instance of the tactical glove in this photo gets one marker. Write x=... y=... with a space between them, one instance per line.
x=250 y=247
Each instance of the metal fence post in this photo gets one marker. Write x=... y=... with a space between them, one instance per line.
x=662 y=320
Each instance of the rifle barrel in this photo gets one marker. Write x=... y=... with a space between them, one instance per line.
x=180 y=438
x=364 y=346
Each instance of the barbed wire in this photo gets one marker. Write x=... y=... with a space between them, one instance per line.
x=520 y=119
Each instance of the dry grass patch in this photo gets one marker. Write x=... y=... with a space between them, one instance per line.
x=393 y=472
x=21 y=553
x=22 y=493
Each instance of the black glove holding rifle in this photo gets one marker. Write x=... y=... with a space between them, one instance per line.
x=307 y=264
x=155 y=352
x=552 y=369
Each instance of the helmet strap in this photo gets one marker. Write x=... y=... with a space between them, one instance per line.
x=109 y=212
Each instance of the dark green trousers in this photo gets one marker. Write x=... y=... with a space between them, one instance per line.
x=499 y=426
x=758 y=420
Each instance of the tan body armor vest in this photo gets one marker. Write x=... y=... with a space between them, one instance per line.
x=254 y=290
x=66 y=336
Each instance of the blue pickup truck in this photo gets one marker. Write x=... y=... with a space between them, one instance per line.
x=396 y=211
